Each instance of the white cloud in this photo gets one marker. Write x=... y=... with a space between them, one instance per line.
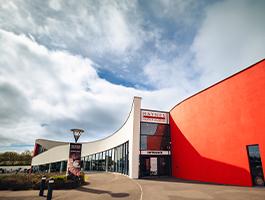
x=51 y=86
x=45 y=93
x=55 y=4
x=119 y=36
x=102 y=27
x=176 y=73
x=231 y=38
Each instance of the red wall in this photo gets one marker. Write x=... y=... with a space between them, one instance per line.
x=210 y=130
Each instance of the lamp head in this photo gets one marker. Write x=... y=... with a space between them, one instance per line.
x=77 y=133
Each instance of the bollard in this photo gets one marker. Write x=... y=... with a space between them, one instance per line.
x=50 y=188
x=42 y=185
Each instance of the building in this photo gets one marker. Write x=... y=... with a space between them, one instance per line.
x=214 y=136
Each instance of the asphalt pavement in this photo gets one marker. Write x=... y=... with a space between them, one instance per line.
x=106 y=186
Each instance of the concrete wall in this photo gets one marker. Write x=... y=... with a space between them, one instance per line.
x=210 y=130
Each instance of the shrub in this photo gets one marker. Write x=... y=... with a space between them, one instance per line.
x=32 y=181
x=15 y=182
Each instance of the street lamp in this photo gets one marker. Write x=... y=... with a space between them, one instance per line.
x=77 y=133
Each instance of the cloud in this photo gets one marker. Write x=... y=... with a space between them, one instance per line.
x=39 y=86
x=55 y=4
x=114 y=34
x=103 y=26
x=177 y=73
x=180 y=11
x=13 y=105
x=44 y=93
x=231 y=38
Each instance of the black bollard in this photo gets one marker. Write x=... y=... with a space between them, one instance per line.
x=42 y=185
x=50 y=188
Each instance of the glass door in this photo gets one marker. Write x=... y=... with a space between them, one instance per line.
x=255 y=165
x=145 y=166
x=164 y=166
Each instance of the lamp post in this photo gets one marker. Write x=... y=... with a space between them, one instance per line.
x=77 y=133
x=74 y=161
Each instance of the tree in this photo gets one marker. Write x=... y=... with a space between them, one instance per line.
x=14 y=158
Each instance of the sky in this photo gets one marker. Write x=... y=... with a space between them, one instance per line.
x=78 y=64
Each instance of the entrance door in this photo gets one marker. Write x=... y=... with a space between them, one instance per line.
x=145 y=166
x=164 y=166
x=255 y=165
x=154 y=166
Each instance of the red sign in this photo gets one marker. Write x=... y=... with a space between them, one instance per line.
x=154 y=117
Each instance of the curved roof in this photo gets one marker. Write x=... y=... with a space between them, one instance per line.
x=48 y=144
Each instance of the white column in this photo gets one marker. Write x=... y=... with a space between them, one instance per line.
x=134 y=142
x=50 y=165
x=61 y=167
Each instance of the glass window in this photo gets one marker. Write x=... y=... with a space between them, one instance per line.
x=155 y=143
x=127 y=158
x=115 y=159
x=143 y=145
x=155 y=129
x=85 y=163
x=118 y=159
x=100 y=162
x=123 y=158
x=254 y=152
x=109 y=160
x=90 y=162
x=255 y=163
x=94 y=162
x=122 y=163
x=154 y=136
x=64 y=166
x=104 y=161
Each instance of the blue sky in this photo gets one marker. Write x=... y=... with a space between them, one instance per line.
x=66 y=64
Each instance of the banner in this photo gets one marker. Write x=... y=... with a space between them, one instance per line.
x=74 y=160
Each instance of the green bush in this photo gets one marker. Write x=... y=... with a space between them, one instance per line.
x=15 y=182
x=32 y=181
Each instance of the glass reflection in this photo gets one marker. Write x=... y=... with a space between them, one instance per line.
x=114 y=160
x=154 y=136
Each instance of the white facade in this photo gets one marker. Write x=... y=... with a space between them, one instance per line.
x=130 y=131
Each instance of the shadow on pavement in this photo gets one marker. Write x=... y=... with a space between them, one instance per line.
x=97 y=191
x=178 y=180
